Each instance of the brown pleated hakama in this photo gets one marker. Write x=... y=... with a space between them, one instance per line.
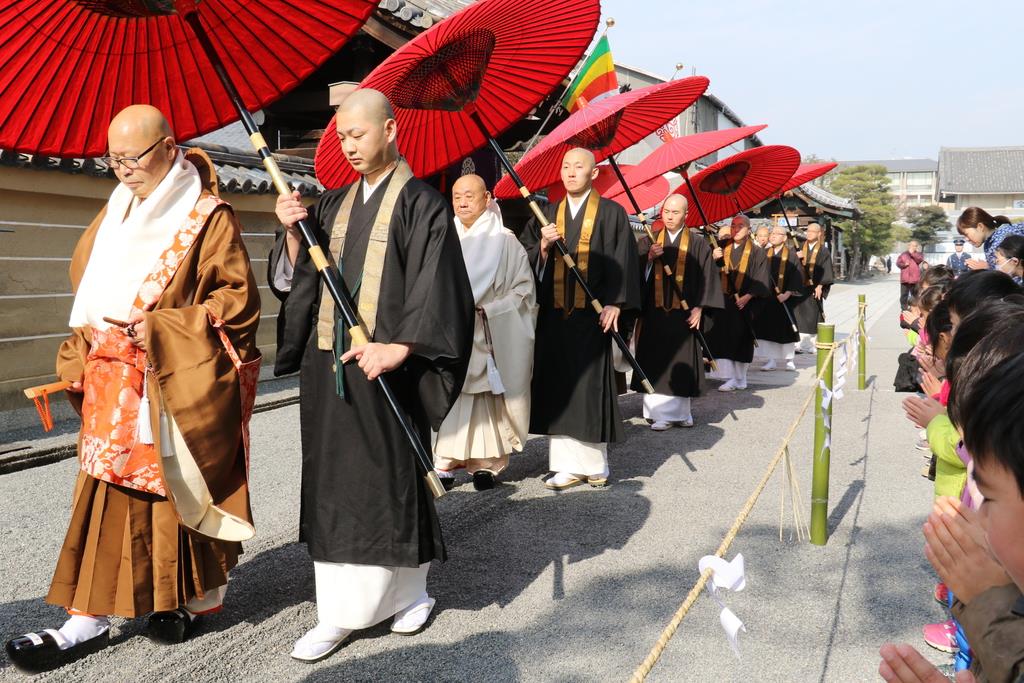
x=126 y=555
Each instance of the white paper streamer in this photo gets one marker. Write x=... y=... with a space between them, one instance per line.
x=726 y=576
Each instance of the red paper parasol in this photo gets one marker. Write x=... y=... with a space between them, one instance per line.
x=737 y=183
x=498 y=58
x=85 y=60
x=647 y=194
x=605 y=128
x=806 y=173
x=684 y=150
x=67 y=66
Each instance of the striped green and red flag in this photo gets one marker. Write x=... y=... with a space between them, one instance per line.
x=595 y=81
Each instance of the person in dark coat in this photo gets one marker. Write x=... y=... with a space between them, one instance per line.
x=776 y=336
x=745 y=286
x=809 y=310
x=666 y=344
x=366 y=515
x=574 y=392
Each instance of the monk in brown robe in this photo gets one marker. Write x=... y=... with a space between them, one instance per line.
x=163 y=364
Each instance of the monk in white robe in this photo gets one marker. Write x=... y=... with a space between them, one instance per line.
x=491 y=417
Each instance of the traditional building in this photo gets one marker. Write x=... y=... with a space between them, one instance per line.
x=989 y=177
x=810 y=203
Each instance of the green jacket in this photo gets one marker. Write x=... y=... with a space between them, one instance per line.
x=950 y=472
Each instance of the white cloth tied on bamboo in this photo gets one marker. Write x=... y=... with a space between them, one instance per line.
x=127 y=248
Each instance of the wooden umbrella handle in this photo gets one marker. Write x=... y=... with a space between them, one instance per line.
x=44 y=389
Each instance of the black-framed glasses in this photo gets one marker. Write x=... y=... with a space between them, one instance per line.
x=131 y=163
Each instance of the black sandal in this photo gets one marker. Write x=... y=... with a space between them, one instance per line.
x=483 y=480
x=34 y=653
x=173 y=627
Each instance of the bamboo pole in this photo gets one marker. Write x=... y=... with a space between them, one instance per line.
x=822 y=437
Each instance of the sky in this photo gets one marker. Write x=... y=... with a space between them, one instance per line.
x=860 y=79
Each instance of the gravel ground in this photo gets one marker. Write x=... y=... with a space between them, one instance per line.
x=574 y=586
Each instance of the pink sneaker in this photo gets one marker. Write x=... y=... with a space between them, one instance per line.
x=941 y=594
x=941 y=636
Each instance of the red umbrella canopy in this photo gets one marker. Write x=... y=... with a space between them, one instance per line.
x=806 y=173
x=739 y=182
x=683 y=150
x=500 y=58
x=648 y=194
x=605 y=128
x=67 y=66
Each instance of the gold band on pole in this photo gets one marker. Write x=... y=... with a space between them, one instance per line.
x=358 y=336
x=316 y=255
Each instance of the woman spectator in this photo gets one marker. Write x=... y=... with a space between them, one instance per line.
x=986 y=231
x=909 y=264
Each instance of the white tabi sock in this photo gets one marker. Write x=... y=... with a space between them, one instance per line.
x=319 y=641
x=80 y=628
x=414 y=616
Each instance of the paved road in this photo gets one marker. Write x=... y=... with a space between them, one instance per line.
x=576 y=586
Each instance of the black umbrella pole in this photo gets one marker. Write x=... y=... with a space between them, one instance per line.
x=329 y=274
x=563 y=250
x=677 y=287
x=700 y=210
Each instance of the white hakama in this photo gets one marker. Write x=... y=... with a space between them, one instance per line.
x=775 y=351
x=662 y=408
x=356 y=596
x=580 y=458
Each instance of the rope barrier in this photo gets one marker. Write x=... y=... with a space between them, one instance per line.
x=641 y=672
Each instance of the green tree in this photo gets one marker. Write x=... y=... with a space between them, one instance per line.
x=871 y=234
x=926 y=221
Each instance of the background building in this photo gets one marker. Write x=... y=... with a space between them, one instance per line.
x=989 y=177
x=913 y=182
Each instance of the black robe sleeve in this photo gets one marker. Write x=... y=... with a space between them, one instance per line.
x=299 y=307
x=530 y=238
x=710 y=279
x=756 y=282
x=794 y=275
x=436 y=314
x=823 y=273
x=620 y=280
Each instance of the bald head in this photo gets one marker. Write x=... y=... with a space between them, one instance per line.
x=141 y=136
x=469 y=199
x=368 y=133
x=373 y=104
x=813 y=232
x=139 y=120
x=673 y=212
x=579 y=170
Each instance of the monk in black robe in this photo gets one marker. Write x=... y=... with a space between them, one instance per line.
x=366 y=515
x=745 y=286
x=818 y=278
x=574 y=386
x=666 y=346
x=776 y=337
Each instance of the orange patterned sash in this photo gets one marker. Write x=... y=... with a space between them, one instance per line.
x=115 y=377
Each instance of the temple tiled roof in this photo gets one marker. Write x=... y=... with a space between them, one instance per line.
x=237 y=171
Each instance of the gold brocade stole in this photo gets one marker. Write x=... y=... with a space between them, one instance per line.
x=740 y=273
x=810 y=256
x=780 y=281
x=679 y=272
x=373 y=264
x=582 y=251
